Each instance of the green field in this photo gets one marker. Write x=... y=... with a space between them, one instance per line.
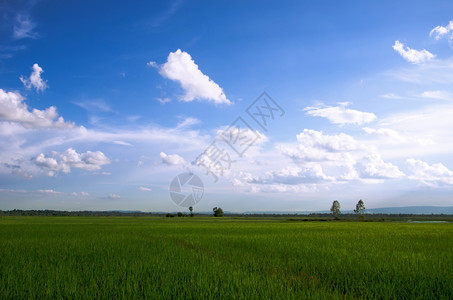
x=199 y=258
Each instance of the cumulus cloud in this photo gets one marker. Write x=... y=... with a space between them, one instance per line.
x=35 y=79
x=412 y=55
x=172 y=159
x=181 y=67
x=340 y=114
x=432 y=175
x=329 y=143
x=71 y=159
x=13 y=108
x=23 y=28
x=372 y=166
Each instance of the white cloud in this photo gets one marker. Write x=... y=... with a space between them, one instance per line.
x=437 y=71
x=114 y=196
x=81 y=194
x=153 y=64
x=163 y=100
x=441 y=95
x=35 y=79
x=187 y=122
x=122 y=143
x=432 y=175
x=340 y=114
x=98 y=105
x=372 y=166
x=13 y=108
x=144 y=189
x=292 y=175
x=440 y=32
x=412 y=55
x=49 y=192
x=392 y=96
x=340 y=157
x=70 y=158
x=427 y=131
x=329 y=143
x=181 y=67
x=172 y=159
x=386 y=133
x=23 y=28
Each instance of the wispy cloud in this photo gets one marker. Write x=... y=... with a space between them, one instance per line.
x=188 y=122
x=144 y=189
x=340 y=114
x=23 y=27
x=97 y=105
x=440 y=32
x=441 y=95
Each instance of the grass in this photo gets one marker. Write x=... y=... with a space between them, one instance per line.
x=206 y=258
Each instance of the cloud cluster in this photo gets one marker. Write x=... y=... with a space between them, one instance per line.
x=412 y=55
x=35 y=79
x=432 y=175
x=319 y=160
x=13 y=108
x=182 y=68
x=340 y=114
x=71 y=159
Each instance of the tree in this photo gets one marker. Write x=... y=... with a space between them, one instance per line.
x=359 y=207
x=191 y=211
x=218 y=212
x=335 y=209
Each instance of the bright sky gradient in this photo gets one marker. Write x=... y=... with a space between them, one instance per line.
x=103 y=103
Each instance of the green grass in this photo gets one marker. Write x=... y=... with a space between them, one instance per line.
x=202 y=258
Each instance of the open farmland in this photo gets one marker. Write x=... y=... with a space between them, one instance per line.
x=126 y=257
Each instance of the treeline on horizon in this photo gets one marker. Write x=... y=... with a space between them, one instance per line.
x=311 y=216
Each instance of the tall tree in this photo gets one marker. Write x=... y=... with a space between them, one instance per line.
x=359 y=207
x=335 y=209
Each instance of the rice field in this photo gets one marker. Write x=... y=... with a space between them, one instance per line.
x=222 y=258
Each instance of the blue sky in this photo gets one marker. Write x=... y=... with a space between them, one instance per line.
x=103 y=104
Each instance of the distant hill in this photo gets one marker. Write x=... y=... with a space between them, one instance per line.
x=417 y=210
